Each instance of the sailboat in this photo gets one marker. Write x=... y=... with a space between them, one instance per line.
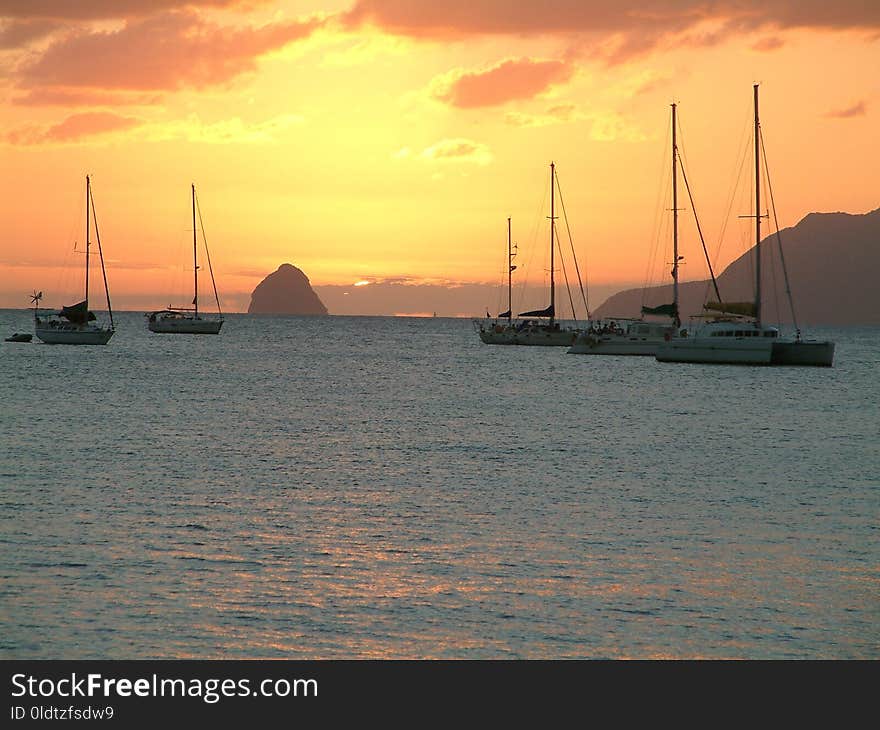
x=544 y=329
x=188 y=320
x=623 y=336
x=75 y=324
x=496 y=332
x=737 y=334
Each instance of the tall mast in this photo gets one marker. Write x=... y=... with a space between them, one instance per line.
x=674 y=220
x=509 y=275
x=757 y=212
x=552 y=246
x=195 y=262
x=101 y=257
x=88 y=195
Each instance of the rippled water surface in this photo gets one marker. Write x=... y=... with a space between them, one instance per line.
x=347 y=487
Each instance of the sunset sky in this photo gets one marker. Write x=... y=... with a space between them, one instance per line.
x=367 y=140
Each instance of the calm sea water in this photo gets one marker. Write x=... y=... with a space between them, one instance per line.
x=347 y=487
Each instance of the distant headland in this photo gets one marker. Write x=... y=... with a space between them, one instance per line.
x=286 y=291
x=832 y=260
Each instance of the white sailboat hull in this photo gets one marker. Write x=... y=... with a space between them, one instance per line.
x=186 y=326
x=716 y=350
x=74 y=336
x=183 y=320
x=535 y=336
x=75 y=324
x=500 y=335
x=631 y=342
x=613 y=346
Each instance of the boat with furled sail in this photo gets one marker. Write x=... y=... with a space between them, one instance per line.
x=735 y=333
x=497 y=332
x=188 y=320
x=626 y=336
x=540 y=327
x=76 y=324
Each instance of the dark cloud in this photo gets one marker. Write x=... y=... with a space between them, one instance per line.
x=856 y=110
x=459 y=18
x=466 y=17
x=19 y=33
x=770 y=43
x=100 y=9
x=621 y=30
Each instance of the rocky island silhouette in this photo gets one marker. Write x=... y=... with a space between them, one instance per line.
x=286 y=291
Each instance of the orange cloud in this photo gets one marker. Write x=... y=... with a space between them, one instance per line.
x=466 y=17
x=163 y=52
x=463 y=150
x=73 y=128
x=521 y=78
x=19 y=33
x=856 y=110
x=771 y=43
x=456 y=18
x=611 y=31
x=555 y=115
x=89 y=124
x=98 y=9
x=85 y=97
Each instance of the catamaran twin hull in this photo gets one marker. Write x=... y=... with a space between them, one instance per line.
x=718 y=350
x=186 y=326
x=746 y=352
x=809 y=352
x=74 y=336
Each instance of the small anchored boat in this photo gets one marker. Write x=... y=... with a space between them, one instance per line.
x=545 y=329
x=188 y=320
x=19 y=337
x=76 y=324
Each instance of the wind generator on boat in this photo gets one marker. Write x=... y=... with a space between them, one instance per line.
x=76 y=324
x=188 y=320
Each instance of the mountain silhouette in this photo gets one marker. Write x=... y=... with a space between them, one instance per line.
x=286 y=291
x=832 y=261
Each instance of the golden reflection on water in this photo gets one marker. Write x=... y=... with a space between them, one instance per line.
x=368 y=591
x=404 y=502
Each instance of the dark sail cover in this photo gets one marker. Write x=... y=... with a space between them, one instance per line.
x=664 y=309
x=504 y=314
x=744 y=308
x=77 y=313
x=549 y=312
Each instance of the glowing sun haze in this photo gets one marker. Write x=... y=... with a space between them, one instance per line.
x=368 y=140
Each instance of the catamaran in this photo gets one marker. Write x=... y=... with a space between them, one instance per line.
x=188 y=320
x=737 y=334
